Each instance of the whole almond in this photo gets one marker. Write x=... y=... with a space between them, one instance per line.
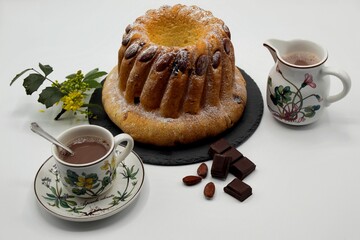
x=201 y=65
x=227 y=45
x=209 y=190
x=148 y=54
x=202 y=170
x=132 y=50
x=216 y=59
x=191 y=180
x=181 y=60
x=163 y=61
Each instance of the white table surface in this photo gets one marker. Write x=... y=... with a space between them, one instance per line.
x=307 y=181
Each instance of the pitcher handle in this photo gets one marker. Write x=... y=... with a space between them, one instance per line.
x=344 y=78
x=123 y=137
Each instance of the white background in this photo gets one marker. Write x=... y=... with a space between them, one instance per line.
x=307 y=181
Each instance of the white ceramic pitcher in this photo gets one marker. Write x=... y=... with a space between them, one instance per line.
x=299 y=84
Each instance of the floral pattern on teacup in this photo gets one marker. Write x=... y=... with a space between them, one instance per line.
x=90 y=184
x=58 y=198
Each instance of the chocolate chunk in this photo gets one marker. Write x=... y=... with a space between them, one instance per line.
x=233 y=153
x=242 y=168
x=219 y=147
x=238 y=189
x=220 y=166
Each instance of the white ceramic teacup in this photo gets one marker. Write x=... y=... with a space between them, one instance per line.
x=96 y=177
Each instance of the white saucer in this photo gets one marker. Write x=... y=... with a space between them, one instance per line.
x=56 y=200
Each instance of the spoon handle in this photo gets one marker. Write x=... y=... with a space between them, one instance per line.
x=38 y=130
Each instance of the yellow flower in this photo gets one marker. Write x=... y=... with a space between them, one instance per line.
x=85 y=182
x=113 y=163
x=106 y=165
x=73 y=101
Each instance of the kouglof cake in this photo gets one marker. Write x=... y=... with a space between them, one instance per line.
x=176 y=80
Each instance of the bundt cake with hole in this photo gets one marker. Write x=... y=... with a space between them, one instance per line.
x=176 y=80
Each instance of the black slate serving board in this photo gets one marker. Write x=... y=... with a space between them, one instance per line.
x=196 y=152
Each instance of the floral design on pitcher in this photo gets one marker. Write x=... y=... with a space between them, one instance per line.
x=290 y=103
x=86 y=184
x=57 y=198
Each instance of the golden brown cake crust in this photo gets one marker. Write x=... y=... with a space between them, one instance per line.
x=176 y=80
x=151 y=128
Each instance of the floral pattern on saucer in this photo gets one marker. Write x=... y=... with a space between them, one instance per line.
x=58 y=201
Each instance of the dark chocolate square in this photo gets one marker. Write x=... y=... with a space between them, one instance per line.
x=233 y=153
x=219 y=147
x=238 y=189
x=220 y=166
x=242 y=168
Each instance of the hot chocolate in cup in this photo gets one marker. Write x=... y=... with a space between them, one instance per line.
x=92 y=169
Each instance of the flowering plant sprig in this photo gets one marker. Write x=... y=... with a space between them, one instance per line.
x=71 y=93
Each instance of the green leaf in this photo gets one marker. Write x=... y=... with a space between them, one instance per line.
x=92 y=75
x=77 y=191
x=71 y=203
x=71 y=76
x=106 y=181
x=53 y=190
x=52 y=196
x=19 y=74
x=56 y=203
x=33 y=82
x=72 y=177
x=93 y=176
x=316 y=107
x=68 y=181
x=93 y=84
x=46 y=69
x=308 y=109
x=287 y=89
x=310 y=114
x=49 y=198
x=91 y=72
x=64 y=204
x=50 y=95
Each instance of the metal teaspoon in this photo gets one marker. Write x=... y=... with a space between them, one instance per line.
x=38 y=130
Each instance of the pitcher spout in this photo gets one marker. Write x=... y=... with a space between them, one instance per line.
x=275 y=47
